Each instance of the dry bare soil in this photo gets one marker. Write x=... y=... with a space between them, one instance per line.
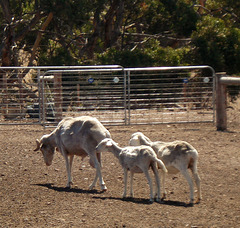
x=33 y=195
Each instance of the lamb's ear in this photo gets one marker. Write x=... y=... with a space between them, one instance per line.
x=109 y=143
x=38 y=145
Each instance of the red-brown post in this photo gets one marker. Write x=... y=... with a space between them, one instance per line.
x=58 y=96
x=5 y=94
x=221 y=103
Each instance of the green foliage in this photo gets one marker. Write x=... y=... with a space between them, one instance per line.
x=59 y=57
x=183 y=18
x=217 y=45
x=142 y=33
x=152 y=55
x=167 y=56
x=125 y=58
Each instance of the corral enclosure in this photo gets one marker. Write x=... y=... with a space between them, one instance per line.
x=113 y=94
x=33 y=195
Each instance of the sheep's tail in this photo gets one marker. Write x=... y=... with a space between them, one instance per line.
x=194 y=161
x=161 y=165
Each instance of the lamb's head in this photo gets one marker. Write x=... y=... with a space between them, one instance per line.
x=138 y=139
x=47 y=149
x=105 y=145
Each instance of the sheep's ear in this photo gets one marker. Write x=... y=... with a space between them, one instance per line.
x=38 y=145
x=109 y=143
x=135 y=137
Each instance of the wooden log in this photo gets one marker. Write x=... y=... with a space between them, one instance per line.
x=221 y=103
x=58 y=96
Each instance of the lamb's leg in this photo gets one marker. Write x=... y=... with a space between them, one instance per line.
x=131 y=184
x=162 y=178
x=150 y=184
x=155 y=171
x=186 y=174
x=125 y=182
x=197 y=181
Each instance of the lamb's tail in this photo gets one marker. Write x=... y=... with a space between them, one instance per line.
x=161 y=165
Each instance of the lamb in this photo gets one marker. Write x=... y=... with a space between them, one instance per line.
x=137 y=160
x=75 y=136
x=178 y=156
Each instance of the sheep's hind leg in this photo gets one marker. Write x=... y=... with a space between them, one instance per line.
x=125 y=183
x=131 y=184
x=162 y=180
x=158 y=191
x=185 y=173
x=198 y=183
x=150 y=184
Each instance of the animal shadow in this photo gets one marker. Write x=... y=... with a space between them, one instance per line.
x=127 y=199
x=177 y=203
x=66 y=189
x=145 y=201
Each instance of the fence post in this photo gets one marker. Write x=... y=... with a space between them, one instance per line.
x=58 y=96
x=221 y=103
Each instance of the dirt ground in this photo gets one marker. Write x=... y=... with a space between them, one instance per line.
x=33 y=195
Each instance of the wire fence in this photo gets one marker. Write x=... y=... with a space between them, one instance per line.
x=113 y=94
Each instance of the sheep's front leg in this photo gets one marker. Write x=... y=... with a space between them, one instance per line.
x=98 y=174
x=125 y=172
x=69 y=169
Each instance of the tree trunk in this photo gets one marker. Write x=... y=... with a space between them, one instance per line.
x=39 y=36
x=113 y=23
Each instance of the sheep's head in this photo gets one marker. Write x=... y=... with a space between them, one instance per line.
x=135 y=139
x=138 y=139
x=46 y=148
x=104 y=145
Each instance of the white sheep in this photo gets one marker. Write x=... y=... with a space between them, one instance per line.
x=137 y=160
x=178 y=156
x=75 y=136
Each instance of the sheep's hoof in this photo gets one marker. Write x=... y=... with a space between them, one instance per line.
x=189 y=204
x=91 y=187
x=198 y=201
x=151 y=200
x=69 y=184
x=103 y=188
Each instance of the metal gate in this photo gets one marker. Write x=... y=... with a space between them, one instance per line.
x=113 y=94
x=170 y=94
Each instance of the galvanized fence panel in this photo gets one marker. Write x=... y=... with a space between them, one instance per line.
x=114 y=95
x=96 y=92
x=31 y=95
x=171 y=94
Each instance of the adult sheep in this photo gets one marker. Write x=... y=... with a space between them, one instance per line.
x=75 y=136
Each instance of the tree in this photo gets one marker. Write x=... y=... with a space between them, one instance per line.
x=68 y=32
x=17 y=23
